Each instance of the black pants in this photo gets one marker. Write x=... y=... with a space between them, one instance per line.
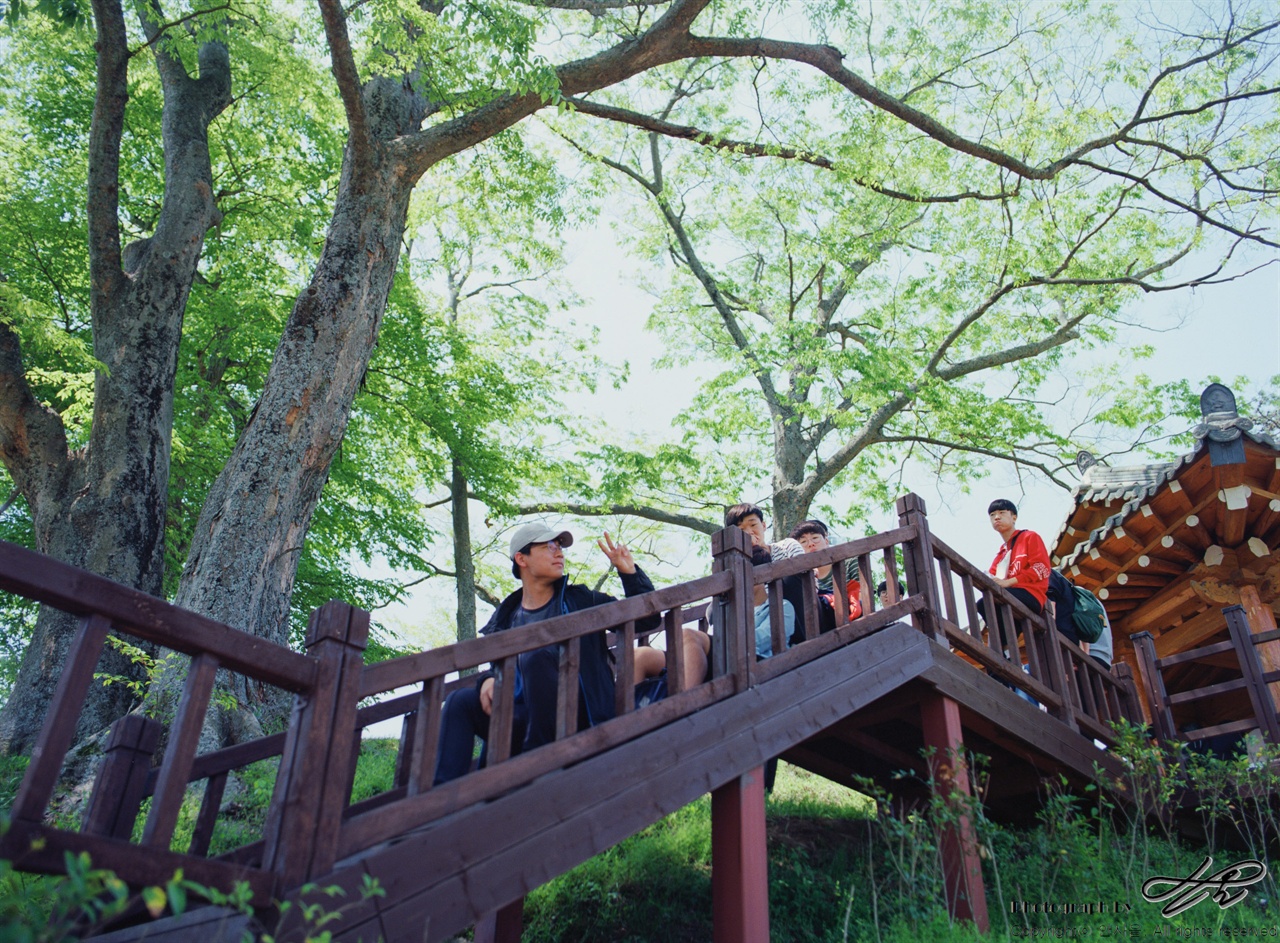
x=1023 y=596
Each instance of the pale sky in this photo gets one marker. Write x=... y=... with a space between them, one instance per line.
x=1228 y=331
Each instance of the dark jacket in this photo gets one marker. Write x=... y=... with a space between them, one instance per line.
x=1063 y=596
x=538 y=671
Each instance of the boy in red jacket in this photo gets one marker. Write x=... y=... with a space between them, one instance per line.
x=1022 y=565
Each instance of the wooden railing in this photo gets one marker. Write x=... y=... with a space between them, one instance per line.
x=312 y=822
x=1254 y=680
x=124 y=779
x=1058 y=674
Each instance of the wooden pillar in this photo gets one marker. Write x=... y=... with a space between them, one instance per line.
x=120 y=786
x=1262 y=619
x=503 y=925
x=962 y=869
x=312 y=790
x=740 y=861
x=1144 y=649
x=735 y=626
x=1261 y=699
x=918 y=556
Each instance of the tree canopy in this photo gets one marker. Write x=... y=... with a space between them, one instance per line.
x=226 y=365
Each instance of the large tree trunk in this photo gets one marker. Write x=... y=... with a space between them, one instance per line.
x=103 y=507
x=463 y=564
x=791 y=452
x=245 y=548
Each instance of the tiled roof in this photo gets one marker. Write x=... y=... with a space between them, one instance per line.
x=1134 y=485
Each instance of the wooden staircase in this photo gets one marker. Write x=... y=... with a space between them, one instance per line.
x=862 y=700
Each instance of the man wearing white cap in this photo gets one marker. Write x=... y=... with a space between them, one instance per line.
x=537 y=560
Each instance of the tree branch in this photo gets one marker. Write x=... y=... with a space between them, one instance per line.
x=105 y=131
x=750 y=149
x=658 y=515
x=1146 y=184
x=665 y=41
x=829 y=61
x=979 y=450
x=998 y=358
x=345 y=72
x=33 y=440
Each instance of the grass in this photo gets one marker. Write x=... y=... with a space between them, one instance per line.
x=840 y=868
x=841 y=871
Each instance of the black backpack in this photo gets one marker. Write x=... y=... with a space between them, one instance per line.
x=1089 y=617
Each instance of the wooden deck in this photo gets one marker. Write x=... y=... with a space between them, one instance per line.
x=862 y=700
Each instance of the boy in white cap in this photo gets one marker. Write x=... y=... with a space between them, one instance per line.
x=537 y=560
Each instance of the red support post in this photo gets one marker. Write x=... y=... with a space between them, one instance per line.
x=740 y=861
x=503 y=925
x=962 y=869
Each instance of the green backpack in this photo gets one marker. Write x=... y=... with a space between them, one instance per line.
x=1089 y=617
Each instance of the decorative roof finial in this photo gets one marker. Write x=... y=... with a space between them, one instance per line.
x=1222 y=425
x=1085 y=460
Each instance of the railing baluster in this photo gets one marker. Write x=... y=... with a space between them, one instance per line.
x=948 y=590
x=502 y=719
x=809 y=596
x=59 y=727
x=673 y=624
x=426 y=736
x=404 y=750
x=866 y=585
x=777 y=618
x=891 y=578
x=1144 y=648
x=567 y=685
x=1264 y=706
x=624 y=689
x=840 y=590
x=971 y=607
x=184 y=738
x=121 y=782
x=208 y=817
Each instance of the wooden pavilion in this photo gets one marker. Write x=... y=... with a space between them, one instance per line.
x=1166 y=547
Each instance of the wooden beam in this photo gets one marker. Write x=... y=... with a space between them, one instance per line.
x=1136 y=577
x=1196 y=534
x=1219 y=556
x=1271 y=513
x=1170 y=546
x=1190 y=633
x=961 y=866
x=1262 y=619
x=740 y=861
x=1152 y=522
x=1179 y=498
x=1159 y=607
x=1155 y=562
x=1117 y=593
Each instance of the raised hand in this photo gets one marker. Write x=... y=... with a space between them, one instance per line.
x=618 y=554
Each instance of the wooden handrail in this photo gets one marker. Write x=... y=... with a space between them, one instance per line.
x=57 y=584
x=414 y=669
x=311 y=822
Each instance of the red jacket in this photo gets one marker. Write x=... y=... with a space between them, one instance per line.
x=1029 y=566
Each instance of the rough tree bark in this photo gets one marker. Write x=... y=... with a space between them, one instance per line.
x=244 y=551
x=464 y=565
x=102 y=507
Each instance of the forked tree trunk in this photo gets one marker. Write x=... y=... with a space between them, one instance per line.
x=245 y=548
x=102 y=508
